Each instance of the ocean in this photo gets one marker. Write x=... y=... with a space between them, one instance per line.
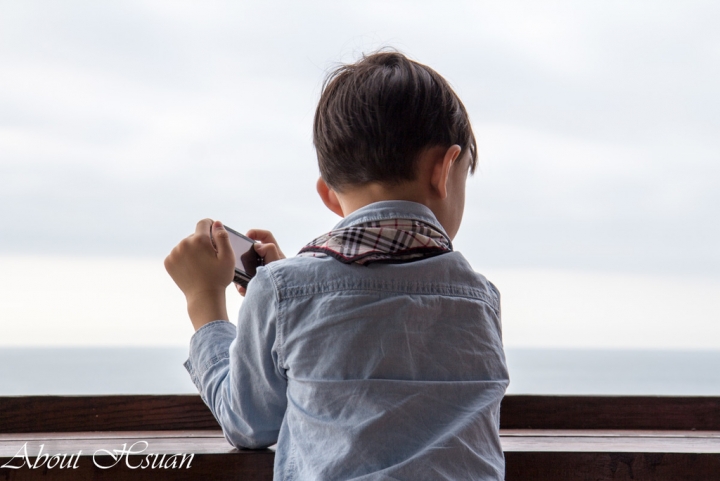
x=159 y=370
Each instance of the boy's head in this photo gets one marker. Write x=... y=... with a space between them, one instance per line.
x=376 y=116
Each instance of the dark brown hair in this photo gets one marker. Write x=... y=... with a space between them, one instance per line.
x=377 y=115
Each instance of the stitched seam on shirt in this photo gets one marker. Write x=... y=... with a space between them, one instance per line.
x=405 y=287
x=279 y=322
x=275 y=279
x=465 y=293
x=213 y=361
x=193 y=375
x=280 y=334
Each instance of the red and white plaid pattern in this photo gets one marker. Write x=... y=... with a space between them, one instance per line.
x=392 y=240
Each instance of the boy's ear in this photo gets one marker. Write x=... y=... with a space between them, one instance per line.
x=328 y=197
x=441 y=170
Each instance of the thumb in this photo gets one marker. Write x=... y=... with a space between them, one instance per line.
x=222 y=242
x=269 y=252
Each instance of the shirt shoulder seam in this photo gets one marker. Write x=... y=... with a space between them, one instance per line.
x=279 y=321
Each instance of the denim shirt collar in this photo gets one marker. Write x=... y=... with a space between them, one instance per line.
x=392 y=209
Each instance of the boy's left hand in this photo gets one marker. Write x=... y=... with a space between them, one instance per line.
x=267 y=248
x=203 y=271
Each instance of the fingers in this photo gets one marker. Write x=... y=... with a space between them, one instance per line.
x=264 y=236
x=203 y=227
x=268 y=246
x=168 y=263
x=222 y=241
x=269 y=252
x=197 y=267
x=240 y=289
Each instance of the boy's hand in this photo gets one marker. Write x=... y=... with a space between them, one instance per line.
x=202 y=270
x=267 y=248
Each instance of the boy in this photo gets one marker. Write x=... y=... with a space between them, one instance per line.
x=376 y=353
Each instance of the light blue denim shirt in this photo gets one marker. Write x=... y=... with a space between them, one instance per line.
x=385 y=371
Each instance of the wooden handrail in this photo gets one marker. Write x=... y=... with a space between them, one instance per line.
x=682 y=444
x=700 y=413
x=34 y=414
x=30 y=414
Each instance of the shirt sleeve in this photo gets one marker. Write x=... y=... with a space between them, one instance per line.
x=237 y=370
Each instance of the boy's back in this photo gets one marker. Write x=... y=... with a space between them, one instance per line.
x=390 y=370
x=377 y=352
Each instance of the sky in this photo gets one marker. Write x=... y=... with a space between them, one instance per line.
x=123 y=123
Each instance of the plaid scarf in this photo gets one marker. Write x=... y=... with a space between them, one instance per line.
x=391 y=241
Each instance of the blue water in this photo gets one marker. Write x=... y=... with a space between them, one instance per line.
x=574 y=371
x=107 y=370
x=29 y=371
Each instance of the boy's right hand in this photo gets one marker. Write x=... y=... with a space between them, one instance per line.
x=202 y=269
x=267 y=248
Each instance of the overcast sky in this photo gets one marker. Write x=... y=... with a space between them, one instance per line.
x=123 y=123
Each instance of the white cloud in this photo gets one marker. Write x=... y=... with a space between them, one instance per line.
x=65 y=301
x=597 y=122
x=562 y=309
x=52 y=300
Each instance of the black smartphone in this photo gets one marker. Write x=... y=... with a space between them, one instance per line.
x=246 y=259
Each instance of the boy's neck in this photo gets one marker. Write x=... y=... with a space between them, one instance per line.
x=353 y=199
x=439 y=185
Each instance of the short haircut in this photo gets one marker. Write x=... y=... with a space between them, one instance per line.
x=376 y=116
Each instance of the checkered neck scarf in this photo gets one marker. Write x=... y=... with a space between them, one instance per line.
x=390 y=241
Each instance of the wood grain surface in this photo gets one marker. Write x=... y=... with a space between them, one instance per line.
x=537 y=455
x=531 y=440
x=246 y=466
x=27 y=414
x=574 y=466
x=213 y=442
x=611 y=412
x=32 y=414
x=554 y=438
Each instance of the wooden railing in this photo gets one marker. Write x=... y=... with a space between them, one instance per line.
x=544 y=438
